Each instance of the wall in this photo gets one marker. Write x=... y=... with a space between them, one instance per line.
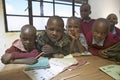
x=5 y=38
x=101 y=8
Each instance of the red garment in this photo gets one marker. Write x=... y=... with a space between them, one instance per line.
x=117 y=31
x=17 y=50
x=110 y=40
x=86 y=26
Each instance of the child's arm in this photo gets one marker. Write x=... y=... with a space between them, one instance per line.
x=6 y=58
x=16 y=55
x=72 y=45
x=80 y=47
x=24 y=61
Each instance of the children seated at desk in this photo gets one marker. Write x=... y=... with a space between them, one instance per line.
x=53 y=41
x=86 y=22
x=112 y=18
x=100 y=37
x=78 y=41
x=23 y=50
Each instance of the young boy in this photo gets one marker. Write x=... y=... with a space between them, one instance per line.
x=100 y=37
x=78 y=41
x=112 y=18
x=86 y=22
x=53 y=41
x=23 y=50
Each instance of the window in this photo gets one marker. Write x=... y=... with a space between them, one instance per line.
x=36 y=12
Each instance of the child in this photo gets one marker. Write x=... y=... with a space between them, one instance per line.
x=100 y=37
x=112 y=18
x=86 y=22
x=23 y=50
x=53 y=41
x=78 y=41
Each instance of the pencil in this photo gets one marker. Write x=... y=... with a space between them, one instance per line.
x=39 y=55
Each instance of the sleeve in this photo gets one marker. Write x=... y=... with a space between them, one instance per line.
x=40 y=41
x=64 y=50
x=94 y=51
x=83 y=41
x=18 y=55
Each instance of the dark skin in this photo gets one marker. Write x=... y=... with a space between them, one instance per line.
x=100 y=30
x=112 y=18
x=74 y=32
x=85 y=11
x=55 y=31
x=28 y=37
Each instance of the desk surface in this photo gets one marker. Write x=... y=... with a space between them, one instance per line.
x=86 y=72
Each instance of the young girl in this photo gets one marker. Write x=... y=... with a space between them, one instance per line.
x=23 y=50
x=78 y=41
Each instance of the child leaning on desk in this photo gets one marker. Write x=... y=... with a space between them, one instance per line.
x=100 y=38
x=23 y=50
x=53 y=41
x=78 y=41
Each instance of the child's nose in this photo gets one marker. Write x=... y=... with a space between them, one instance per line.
x=54 y=32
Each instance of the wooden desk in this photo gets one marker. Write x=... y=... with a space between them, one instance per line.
x=87 y=72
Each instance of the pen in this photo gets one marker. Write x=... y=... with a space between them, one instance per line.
x=39 y=55
x=70 y=76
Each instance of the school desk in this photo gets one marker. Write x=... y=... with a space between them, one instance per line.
x=89 y=71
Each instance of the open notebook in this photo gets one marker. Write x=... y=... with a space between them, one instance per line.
x=57 y=65
x=112 y=70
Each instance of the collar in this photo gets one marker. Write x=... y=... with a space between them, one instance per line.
x=18 y=44
x=86 y=20
x=99 y=44
x=114 y=31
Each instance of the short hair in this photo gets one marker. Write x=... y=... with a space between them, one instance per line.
x=57 y=19
x=76 y=19
x=30 y=28
x=86 y=4
x=102 y=20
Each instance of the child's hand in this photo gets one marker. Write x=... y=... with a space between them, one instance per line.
x=30 y=61
x=58 y=55
x=74 y=34
x=25 y=61
x=6 y=58
x=47 y=49
x=103 y=54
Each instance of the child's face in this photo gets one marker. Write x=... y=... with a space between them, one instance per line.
x=100 y=32
x=28 y=41
x=112 y=18
x=73 y=27
x=55 y=30
x=85 y=11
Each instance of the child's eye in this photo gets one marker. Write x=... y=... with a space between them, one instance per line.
x=51 y=29
x=59 y=30
x=69 y=26
x=75 y=26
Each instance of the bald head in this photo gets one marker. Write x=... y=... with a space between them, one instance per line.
x=102 y=24
x=29 y=29
x=55 y=20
